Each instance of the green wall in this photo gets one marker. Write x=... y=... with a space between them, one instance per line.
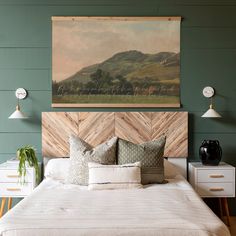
x=208 y=57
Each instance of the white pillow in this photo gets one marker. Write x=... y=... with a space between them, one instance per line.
x=57 y=169
x=169 y=170
x=114 y=176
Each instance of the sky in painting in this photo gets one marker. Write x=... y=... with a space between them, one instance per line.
x=81 y=43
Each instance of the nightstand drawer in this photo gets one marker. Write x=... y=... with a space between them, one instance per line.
x=12 y=176
x=15 y=189
x=215 y=189
x=215 y=175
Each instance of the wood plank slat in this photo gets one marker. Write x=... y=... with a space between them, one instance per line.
x=118 y=3
x=10 y=142
x=20 y=78
x=108 y=105
x=25 y=58
x=211 y=15
x=56 y=129
x=96 y=127
x=115 y=18
x=175 y=126
x=133 y=126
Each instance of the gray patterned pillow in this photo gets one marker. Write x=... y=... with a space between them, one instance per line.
x=150 y=154
x=81 y=153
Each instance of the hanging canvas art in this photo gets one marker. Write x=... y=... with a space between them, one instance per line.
x=116 y=61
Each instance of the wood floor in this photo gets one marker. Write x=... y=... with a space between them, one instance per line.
x=233 y=226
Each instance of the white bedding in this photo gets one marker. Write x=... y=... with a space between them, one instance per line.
x=57 y=209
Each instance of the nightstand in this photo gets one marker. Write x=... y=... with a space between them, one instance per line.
x=214 y=181
x=10 y=186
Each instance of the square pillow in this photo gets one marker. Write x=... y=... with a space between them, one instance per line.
x=114 y=176
x=170 y=170
x=150 y=154
x=81 y=153
x=57 y=169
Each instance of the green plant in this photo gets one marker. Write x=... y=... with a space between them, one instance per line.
x=26 y=155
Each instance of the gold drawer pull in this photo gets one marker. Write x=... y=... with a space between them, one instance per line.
x=216 y=176
x=13 y=189
x=13 y=176
x=216 y=189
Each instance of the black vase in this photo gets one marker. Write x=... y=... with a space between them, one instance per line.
x=210 y=152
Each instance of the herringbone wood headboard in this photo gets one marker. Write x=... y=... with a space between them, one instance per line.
x=97 y=127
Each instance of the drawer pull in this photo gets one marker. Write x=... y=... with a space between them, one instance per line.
x=13 y=176
x=216 y=176
x=13 y=189
x=216 y=189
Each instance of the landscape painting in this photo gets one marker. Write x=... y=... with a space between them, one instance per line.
x=116 y=61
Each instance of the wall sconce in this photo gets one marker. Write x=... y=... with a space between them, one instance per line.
x=209 y=92
x=20 y=93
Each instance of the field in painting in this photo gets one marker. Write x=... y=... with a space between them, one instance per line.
x=115 y=99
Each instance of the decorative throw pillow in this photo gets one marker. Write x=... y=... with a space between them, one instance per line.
x=170 y=170
x=114 y=176
x=81 y=153
x=57 y=169
x=150 y=154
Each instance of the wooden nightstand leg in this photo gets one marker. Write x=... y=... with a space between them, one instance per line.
x=2 y=206
x=226 y=208
x=9 y=203
x=220 y=206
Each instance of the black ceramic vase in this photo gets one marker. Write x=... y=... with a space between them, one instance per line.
x=210 y=152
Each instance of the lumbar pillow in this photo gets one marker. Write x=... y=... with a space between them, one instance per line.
x=81 y=153
x=114 y=176
x=150 y=154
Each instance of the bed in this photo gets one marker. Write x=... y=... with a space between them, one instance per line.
x=61 y=210
x=55 y=208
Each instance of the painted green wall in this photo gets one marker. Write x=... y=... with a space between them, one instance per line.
x=208 y=57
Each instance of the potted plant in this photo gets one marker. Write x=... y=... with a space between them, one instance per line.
x=27 y=157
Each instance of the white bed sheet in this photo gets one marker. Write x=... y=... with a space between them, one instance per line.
x=56 y=209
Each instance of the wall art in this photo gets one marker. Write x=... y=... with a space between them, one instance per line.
x=116 y=61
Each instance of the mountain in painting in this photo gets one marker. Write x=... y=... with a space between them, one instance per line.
x=135 y=65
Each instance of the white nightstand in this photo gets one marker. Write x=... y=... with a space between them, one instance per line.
x=10 y=185
x=213 y=181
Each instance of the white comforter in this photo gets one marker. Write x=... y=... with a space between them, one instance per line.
x=56 y=209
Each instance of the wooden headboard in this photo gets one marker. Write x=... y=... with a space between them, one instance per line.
x=97 y=127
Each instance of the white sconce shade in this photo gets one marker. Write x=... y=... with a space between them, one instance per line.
x=20 y=93
x=209 y=92
x=17 y=114
x=211 y=113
